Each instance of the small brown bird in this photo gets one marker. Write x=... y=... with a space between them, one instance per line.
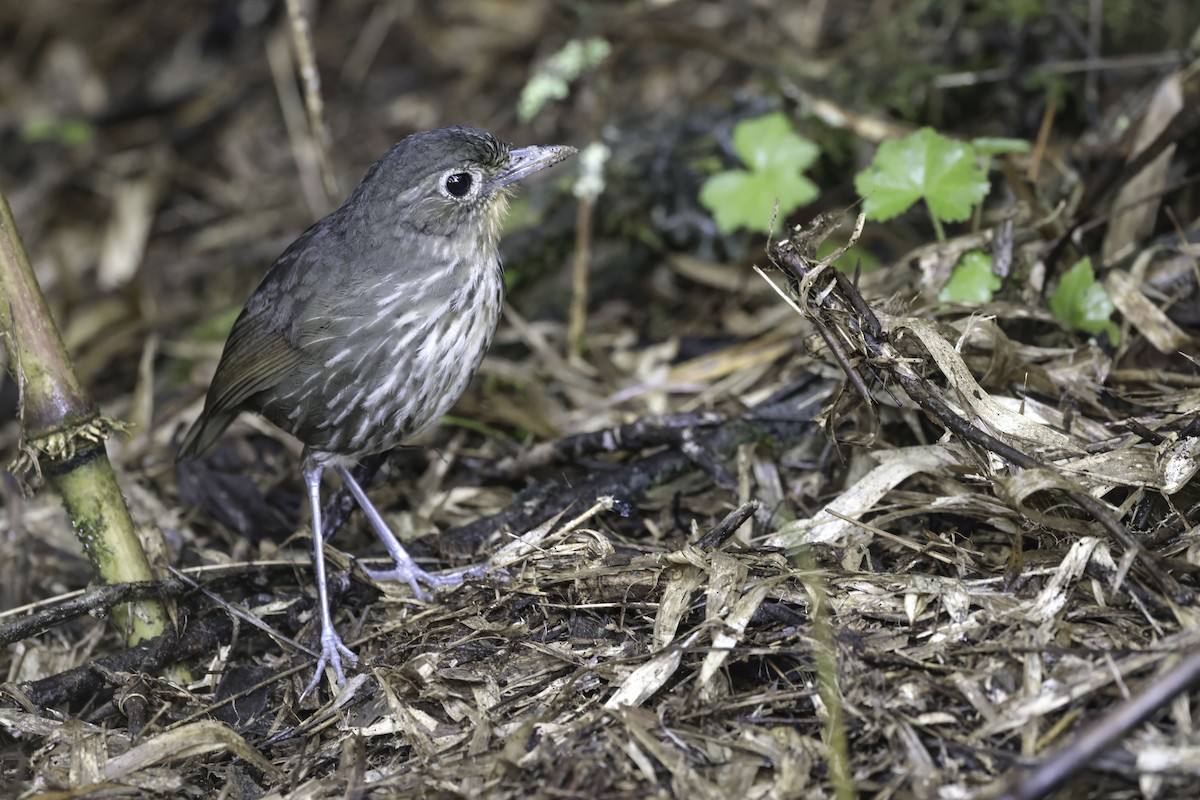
x=370 y=325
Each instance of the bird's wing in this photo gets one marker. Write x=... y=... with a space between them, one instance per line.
x=256 y=357
x=263 y=346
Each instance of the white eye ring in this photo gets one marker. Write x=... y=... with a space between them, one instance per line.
x=459 y=184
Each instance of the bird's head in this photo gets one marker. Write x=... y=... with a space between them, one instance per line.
x=452 y=182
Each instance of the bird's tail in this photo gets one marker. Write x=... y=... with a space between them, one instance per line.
x=204 y=432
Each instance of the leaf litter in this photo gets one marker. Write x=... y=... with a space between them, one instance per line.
x=942 y=597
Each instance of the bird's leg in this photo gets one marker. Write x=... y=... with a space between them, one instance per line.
x=406 y=569
x=332 y=648
x=338 y=507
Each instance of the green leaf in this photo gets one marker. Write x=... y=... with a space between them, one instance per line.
x=69 y=132
x=1079 y=302
x=742 y=199
x=775 y=156
x=552 y=81
x=972 y=281
x=995 y=145
x=925 y=165
x=771 y=143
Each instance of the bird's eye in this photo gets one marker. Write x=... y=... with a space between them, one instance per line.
x=458 y=184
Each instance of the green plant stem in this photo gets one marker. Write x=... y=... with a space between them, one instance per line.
x=938 y=230
x=62 y=434
x=97 y=510
x=985 y=166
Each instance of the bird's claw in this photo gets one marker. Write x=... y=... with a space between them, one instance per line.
x=332 y=651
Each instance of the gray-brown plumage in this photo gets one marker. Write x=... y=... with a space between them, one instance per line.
x=369 y=326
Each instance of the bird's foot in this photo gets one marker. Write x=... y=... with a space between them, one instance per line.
x=408 y=572
x=332 y=652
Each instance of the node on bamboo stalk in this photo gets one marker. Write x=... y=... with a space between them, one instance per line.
x=63 y=435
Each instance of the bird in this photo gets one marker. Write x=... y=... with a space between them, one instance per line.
x=369 y=326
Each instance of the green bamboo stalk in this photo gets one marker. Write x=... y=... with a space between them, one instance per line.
x=63 y=434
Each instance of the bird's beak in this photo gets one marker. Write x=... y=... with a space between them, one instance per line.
x=525 y=161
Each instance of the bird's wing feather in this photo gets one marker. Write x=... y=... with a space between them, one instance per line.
x=255 y=358
x=262 y=347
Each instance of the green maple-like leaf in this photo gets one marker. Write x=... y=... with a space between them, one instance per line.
x=771 y=143
x=1081 y=303
x=925 y=165
x=744 y=199
x=972 y=281
x=775 y=156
